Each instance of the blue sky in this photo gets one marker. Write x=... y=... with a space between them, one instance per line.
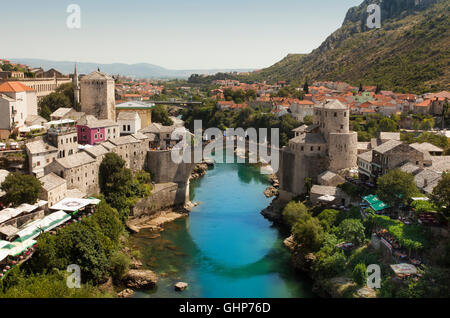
x=177 y=34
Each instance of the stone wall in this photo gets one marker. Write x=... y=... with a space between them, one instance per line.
x=164 y=195
x=343 y=150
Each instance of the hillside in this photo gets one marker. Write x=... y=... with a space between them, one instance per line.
x=410 y=52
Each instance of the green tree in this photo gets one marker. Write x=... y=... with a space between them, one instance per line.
x=396 y=187
x=328 y=218
x=308 y=120
x=306 y=87
x=388 y=125
x=360 y=274
x=21 y=188
x=52 y=102
x=161 y=115
x=441 y=195
x=294 y=211
x=309 y=233
x=351 y=230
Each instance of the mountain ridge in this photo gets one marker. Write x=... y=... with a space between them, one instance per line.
x=138 y=70
x=410 y=52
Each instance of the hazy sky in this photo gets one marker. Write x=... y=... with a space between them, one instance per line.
x=177 y=34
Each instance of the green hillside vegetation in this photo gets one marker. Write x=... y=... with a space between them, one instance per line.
x=409 y=53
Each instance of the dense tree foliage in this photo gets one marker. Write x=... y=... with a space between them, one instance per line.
x=161 y=115
x=293 y=212
x=441 y=195
x=21 y=188
x=120 y=187
x=62 y=97
x=396 y=187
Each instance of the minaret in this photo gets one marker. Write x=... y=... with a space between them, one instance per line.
x=76 y=87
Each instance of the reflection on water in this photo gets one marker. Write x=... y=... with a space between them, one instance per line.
x=225 y=248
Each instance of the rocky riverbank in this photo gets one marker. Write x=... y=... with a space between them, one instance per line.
x=201 y=169
x=156 y=221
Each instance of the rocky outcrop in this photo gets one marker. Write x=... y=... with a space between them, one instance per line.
x=140 y=279
x=181 y=286
x=274 y=210
x=126 y=293
x=271 y=192
x=156 y=221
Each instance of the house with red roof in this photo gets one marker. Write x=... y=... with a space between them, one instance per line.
x=18 y=103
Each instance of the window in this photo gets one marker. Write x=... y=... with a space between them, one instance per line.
x=124 y=128
x=335 y=114
x=302 y=148
x=312 y=148
x=38 y=163
x=345 y=114
x=129 y=128
x=95 y=136
x=101 y=136
x=342 y=126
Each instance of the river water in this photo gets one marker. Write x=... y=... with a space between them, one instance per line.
x=225 y=248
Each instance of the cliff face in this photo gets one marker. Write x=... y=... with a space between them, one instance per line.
x=410 y=52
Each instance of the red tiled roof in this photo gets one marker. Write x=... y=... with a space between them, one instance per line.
x=14 y=87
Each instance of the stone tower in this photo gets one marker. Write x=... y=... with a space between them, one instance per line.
x=98 y=95
x=328 y=144
x=334 y=124
x=76 y=87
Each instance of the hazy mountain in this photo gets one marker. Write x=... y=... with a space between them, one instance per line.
x=410 y=52
x=141 y=70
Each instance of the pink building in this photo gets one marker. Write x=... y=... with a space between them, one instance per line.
x=93 y=131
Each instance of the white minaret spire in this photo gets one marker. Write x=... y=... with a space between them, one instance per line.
x=76 y=87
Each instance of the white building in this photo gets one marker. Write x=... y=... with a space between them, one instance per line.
x=129 y=123
x=17 y=103
x=40 y=154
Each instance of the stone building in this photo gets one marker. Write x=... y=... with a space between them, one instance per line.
x=65 y=139
x=40 y=154
x=54 y=189
x=79 y=170
x=97 y=96
x=388 y=156
x=328 y=144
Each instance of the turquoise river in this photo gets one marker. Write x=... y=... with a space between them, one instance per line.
x=225 y=248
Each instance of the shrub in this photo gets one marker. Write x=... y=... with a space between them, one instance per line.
x=360 y=274
x=309 y=233
x=293 y=212
x=120 y=264
x=351 y=230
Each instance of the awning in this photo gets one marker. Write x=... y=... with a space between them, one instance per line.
x=404 y=269
x=375 y=203
x=3 y=254
x=74 y=204
x=20 y=247
x=46 y=224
